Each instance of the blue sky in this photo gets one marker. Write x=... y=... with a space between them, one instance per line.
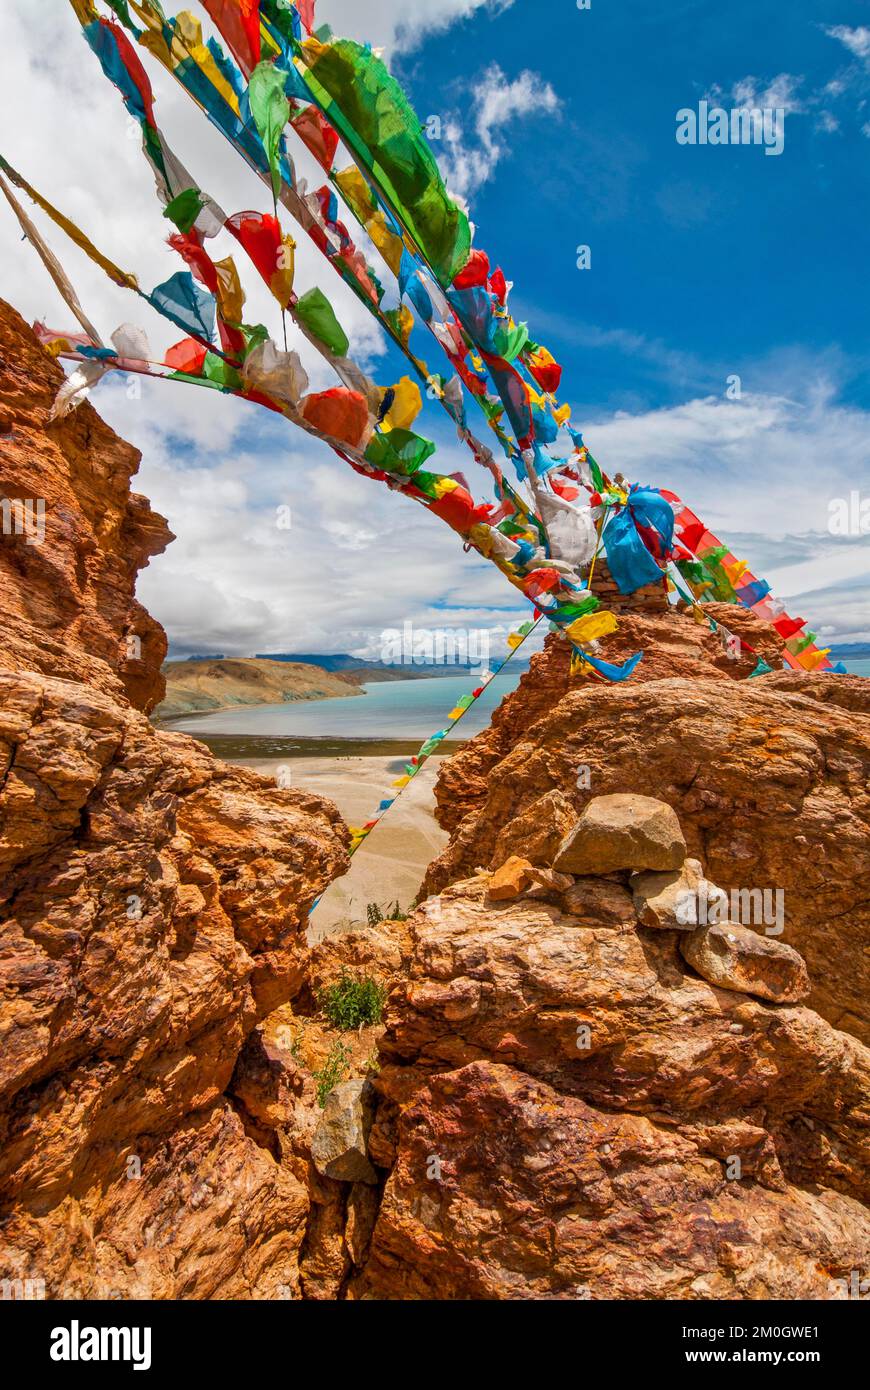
x=718 y=260
x=558 y=126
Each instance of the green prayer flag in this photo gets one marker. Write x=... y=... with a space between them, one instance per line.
x=218 y=370
x=318 y=316
x=372 y=114
x=185 y=209
x=270 y=110
x=399 y=451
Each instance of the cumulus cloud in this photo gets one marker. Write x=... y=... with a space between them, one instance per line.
x=857 y=41
x=474 y=150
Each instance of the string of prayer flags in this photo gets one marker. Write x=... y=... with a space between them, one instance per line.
x=332 y=92
x=716 y=573
x=368 y=108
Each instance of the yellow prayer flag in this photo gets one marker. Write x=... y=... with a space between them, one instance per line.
x=389 y=245
x=356 y=193
x=591 y=626
x=230 y=295
x=407 y=404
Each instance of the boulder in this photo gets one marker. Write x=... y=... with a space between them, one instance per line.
x=517 y=876
x=669 y=901
x=538 y=832
x=623 y=831
x=511 y=879
x=339 y=1148
x=734 y=957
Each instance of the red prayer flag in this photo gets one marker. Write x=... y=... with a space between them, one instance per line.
x=260 y=234
x=316 y=132
x=306 y=13
x=239 y=25
x=787 y=627
x=191 y=248
x=186 y=356
x=474 y=273
x=339 y=413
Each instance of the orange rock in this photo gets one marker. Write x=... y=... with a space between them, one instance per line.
x=511 y=879
x=153 y=904
x=768 y=778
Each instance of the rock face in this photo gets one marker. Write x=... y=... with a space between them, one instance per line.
x=568 y=1111
x=75 y=538
x=769 y=778
x=152 y=908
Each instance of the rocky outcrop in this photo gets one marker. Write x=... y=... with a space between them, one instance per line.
x=674 y=646
x=570 y=1110
x=74 y=537
x=153 y=904
x=769 y=778
x=589 y=1082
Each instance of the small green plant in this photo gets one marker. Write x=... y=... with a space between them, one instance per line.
x=353 y=1001
x=334 y=1070
x=391 y=913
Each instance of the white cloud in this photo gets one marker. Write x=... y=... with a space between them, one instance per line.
x=857 y=41
x=400 y=25
x=498 y=101
x=761 y=472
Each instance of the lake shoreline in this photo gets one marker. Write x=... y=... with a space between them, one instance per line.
x=268 y=747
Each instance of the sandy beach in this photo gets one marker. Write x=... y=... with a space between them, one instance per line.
x=392 y=861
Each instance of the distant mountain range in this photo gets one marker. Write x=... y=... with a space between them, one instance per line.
x=855 y=650
x=361 y=670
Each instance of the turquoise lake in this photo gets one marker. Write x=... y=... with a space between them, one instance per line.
x=389 y=710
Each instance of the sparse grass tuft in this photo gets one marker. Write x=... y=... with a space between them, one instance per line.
x=391 y=913
x=335 y=1069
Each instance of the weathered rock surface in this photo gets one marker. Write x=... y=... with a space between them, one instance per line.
x=541 y=1196
x=586 y=1097
x=339 y=1148
x=770 y=779
x=622 y=832
x=67 y=605
x=152 y=908
x=735 y=957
